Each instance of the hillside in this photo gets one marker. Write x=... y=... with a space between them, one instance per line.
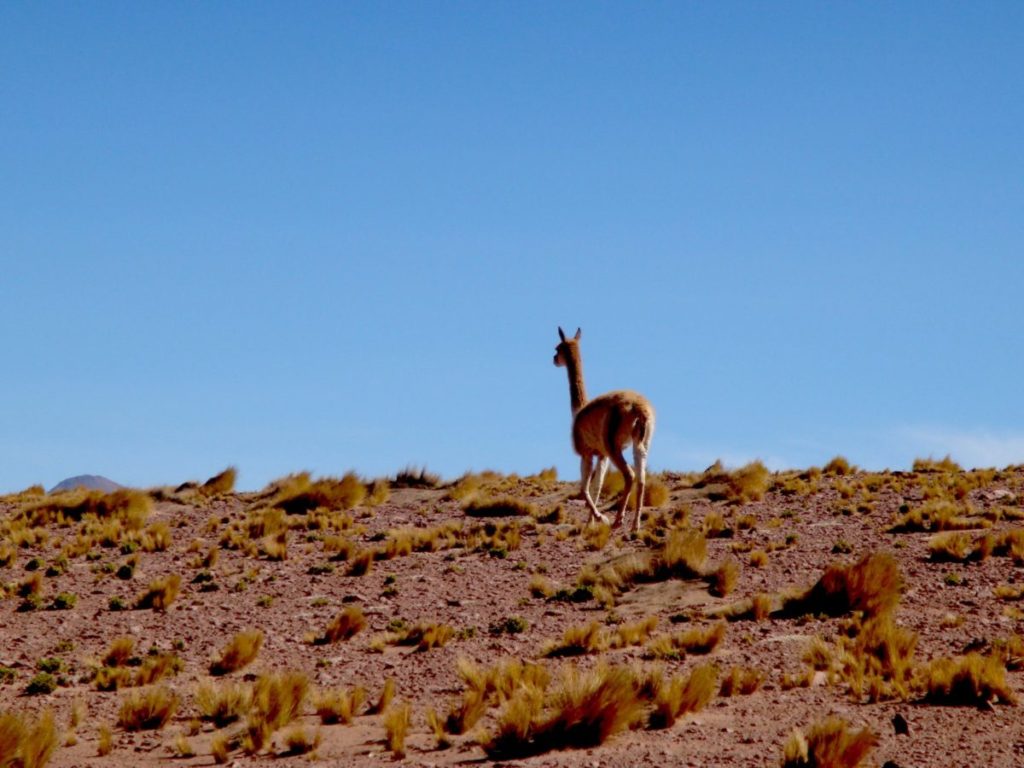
x=705 y=641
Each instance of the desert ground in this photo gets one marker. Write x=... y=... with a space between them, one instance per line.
x=482 y=620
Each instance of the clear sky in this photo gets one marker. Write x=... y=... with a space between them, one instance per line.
x=335 y=236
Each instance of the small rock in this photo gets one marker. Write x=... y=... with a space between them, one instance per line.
x=899 y=723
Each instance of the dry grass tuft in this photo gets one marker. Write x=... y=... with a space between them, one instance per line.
x=298 y=495
x=119 y=652
x=723 y=579
x=931 y=465
x=586 y=710
x=27 y=741
x=838 y=466
x=878 y=656
x=971 y=680
x=220 y=483
x=160 y=594
x=741 y=680
x=223 y=704
x=426 y=636
x=147 y=708
x=387 y=694
x=939 y=515
x=416 y=477
x=344 y=626
x=338 y=705
x=952 y=547
x=577 y=641
x=129 y=507
x=829 y=744
x=238 y=653
x=871 y=585
x=502 y=506
x=699 y=640
x=277 y=700
x=396 y=721
x=297 y=741
x=683 y=695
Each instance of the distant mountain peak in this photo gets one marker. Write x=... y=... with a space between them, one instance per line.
x=88 y=482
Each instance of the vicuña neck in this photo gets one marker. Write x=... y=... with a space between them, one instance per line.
x=577 y=392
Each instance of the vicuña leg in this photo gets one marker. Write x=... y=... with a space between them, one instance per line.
x=640 y=464
x=627 y=475
x=586 y=470
x=602 y=469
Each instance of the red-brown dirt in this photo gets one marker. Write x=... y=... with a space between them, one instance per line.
x=803 y=525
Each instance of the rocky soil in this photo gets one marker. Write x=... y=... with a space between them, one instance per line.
x=480 y=585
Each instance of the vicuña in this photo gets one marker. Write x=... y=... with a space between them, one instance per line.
x=602 y=428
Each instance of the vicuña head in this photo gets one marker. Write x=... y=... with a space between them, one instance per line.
x=602 y=428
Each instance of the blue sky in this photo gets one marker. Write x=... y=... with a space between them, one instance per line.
x=327 y=236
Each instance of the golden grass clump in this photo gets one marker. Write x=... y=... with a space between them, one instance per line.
x=238 y=653
x=698 y=640
x=578 y=640
x=757 y=559
x=596 y=537
x=425 y=636
x=183 y=747
x=221 y=483
x=120 y=669
x=741 y=680
x=748 y=483
x=838 y=466
x=1010 y=543
x=436 y=724
x=387 y=695
x=220 y=747
x=27 y=741
x=104 y=741
x=119 y=652
x=681 y=556
x=973 y=680
x=396 y=720
x=297 y=741
x=942 y=465
x=501 y=506
x=635 y=633
x=723 y=579
x=299 y=495
x=277 y=700
x=338 y=705
x=416 y=477
x=129 y=507
x=878 y=657
x=344 y=626
x=156 y=537
x=492 y=687
x=939 y=515
x=160 y=594
x=377 y=492
x=223 y=704
x=828 y=744
x=361 y=562
x=1009 y=592
x=147 y=708
x=541 y=586
x=871 y=585
x=683 y=695
x=587 y=709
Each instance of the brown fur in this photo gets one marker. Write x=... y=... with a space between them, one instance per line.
x=602 y=429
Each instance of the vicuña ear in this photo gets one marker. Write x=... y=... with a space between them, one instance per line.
x=578 y=334
x=561 y=333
